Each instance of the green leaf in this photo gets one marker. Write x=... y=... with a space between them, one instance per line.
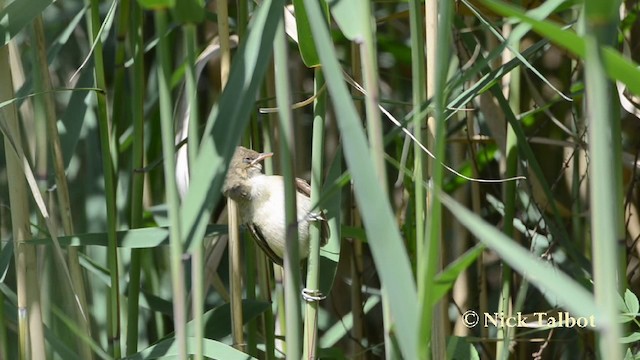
x=628 y=355
x=155 y=303
x=628 y=306
x=385 y=242
x=168 y=349
x=616 y=66
x=10 y=311
x=74 y=117
x=527 y=153
x=445 y=280
x=330 y=253
x=217 y=324
x=349 y=17
x=570 y=295
x=217 y=321
x=52 y=54
x=132 y=239
x=342 y=328
x=630 y=338
x=631 y=300
x=305 y=38
x=18 y=14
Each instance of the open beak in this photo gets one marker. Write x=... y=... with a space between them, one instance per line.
x=261 y=157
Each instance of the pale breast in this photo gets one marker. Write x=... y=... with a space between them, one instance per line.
x=267 y=211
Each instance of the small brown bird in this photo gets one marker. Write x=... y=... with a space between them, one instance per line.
x=261 y=204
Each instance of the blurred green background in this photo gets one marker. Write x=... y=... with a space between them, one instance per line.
x=470 y=156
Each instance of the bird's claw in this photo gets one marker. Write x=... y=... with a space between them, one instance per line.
x=313 y=216
x=310 y=295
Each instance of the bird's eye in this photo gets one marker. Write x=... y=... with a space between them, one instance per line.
x=247 y=160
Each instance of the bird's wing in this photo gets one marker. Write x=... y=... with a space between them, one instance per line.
x=304 y=187
x=324 y=230
x=256 y=234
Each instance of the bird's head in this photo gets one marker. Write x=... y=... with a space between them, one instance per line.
x=245 y=164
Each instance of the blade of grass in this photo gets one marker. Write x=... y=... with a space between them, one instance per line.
x=505 y=305
x=306 y=46
x=615 y=65
x=313 y=262
x=432 y=324
x=168 y=349
x=293 y=331
x=30 y=325
x=171 y=189
x=17 y=15
x=136 y=44
x=197 y=265
x=42 y=83
x=104 y=122
x=569 y=293
x=605 y=179
x=445 y=279
x=386 y=245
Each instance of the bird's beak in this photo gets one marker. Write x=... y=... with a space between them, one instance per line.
x=261 y=157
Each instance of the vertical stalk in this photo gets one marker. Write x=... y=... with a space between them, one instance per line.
x=263 y=265
x=353 y=219
x=505 y=334
x=356 y=268
x=369 y=193
x=30 y=329
x=605 y=185
x=172 y=197
x=4 y=342
x=287 y=152
x=427 y=256
x=119 y=105
x=154 y=285
x=419 y=97
x=264 y=274
x=256 y=270
x=251 y=282
x=235 y=274
x=313 y=267
x=243 y=17
x=369 y=61
x=109 y=183
x=197 y=264
x=41 y=159
x=137 y=162
x=43 y=84
x=439 y=21
x=235 y=261
x=223 y=35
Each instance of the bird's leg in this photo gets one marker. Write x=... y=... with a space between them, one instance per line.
x=310 y=295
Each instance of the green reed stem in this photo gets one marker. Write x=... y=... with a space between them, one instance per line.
x=287 y=152
x=109 y=182
x=137 y=162
x=171 y=189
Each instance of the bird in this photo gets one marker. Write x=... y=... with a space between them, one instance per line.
x=261 y=204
